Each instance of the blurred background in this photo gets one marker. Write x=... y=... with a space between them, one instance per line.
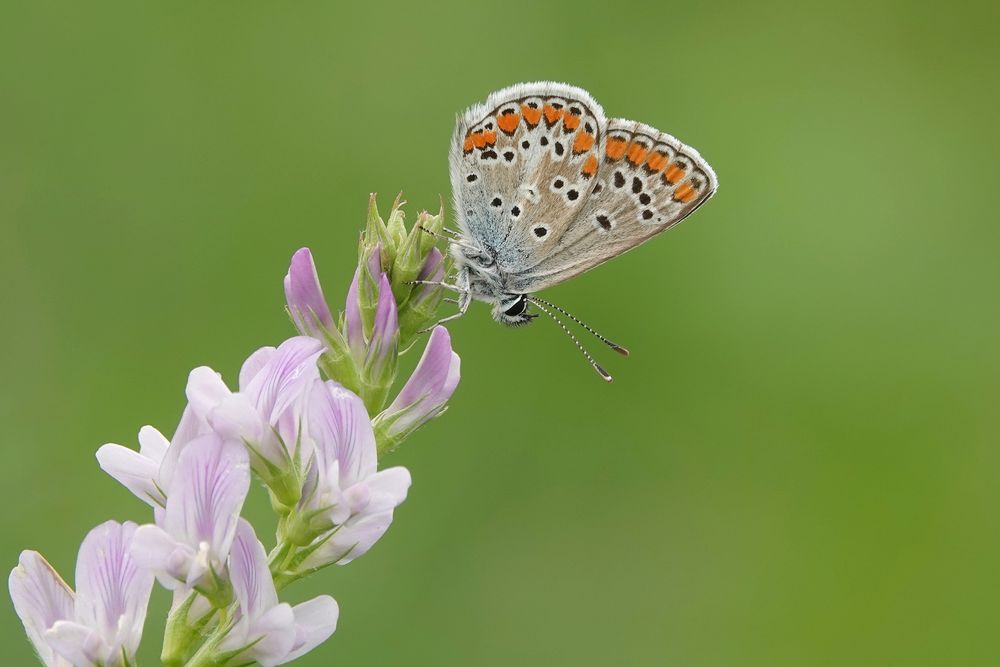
x=799 y=463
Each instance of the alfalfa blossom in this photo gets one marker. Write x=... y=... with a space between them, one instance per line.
x=347 y=504
x=188 y=547
x=268 y=631
x=101 y=623
x=424 y=396
x=266 y=412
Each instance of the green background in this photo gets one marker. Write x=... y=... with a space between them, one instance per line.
x=797 y=466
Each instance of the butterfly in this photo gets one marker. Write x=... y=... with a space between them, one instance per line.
x=546 y=187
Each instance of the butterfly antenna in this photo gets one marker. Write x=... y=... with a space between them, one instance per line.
x=597 y=367
x=613 y=345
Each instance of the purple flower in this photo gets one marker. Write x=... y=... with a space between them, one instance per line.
x=268 y=631
x=306 y=303
x=102 y=623
x=425 y=394
x=354 y=328
x=346 y=494
x=266 y=412
x=191 y=540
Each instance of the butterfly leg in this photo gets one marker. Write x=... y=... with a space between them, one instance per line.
x=463 y=301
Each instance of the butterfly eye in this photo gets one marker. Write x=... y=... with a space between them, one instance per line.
x=519 y=307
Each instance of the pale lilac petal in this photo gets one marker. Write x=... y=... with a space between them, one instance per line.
x=382 y=346
x=350 y=541
x=152 y=444
x=131 y=469
x=276 y=630
x=111 y=590
x=249 y=573
x=41 y=598
x=154 y=550
x=205 y=390
x=305 y=296
x=431 y=385
x=387 y=489
x=80 y=645
x=281 y=382
x=341 y=431
x=190 y=427
x=235 y=418
x=353 y=324
x=315 y=621
x=254 y=364
x=207 y=494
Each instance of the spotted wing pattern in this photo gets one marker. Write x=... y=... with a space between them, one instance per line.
x=647 y=182
x=522 y=168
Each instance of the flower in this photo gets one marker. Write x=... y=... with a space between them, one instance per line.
x=425 y=394
x=266 y=412
x=347 y=503
x=102 y=623
x=190 y=542
x=139 y=472
x=268 y=631
x=308 y=308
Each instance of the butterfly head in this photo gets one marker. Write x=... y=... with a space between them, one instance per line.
x=512 y=310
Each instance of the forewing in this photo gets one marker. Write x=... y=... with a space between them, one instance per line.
x=647 y=182
x=522 y=165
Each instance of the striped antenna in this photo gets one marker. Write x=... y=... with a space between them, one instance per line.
x=614 y=346
x=597 y=367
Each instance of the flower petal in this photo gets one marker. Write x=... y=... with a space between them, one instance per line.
x=205 y=390
x=41 y=598
x=339 y=425
x=387 y=489
x=112 y=591
x=79 y=644
x=353 y=323
x=431 y=385
x=207 y=494
x=135 y=472
x=304 y=296
x=154 y=550
x=351 y=540
x=249 y=573
x=384 y=341
x=254 y=364
x=283 y=379
x=315 y=621
x=276 y=633
x=152 y=444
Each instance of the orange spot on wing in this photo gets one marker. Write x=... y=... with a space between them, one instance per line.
x=552 y=114
x=583 y=142
x=469 y=144
x=673 y=174
x=571 y=121
x=636 y=154
x=656 y=161
x=508 y=122
x=590 y=166
x=531 y=116
x=478 y=140
x=615 y=148
x=489 y=138
x=685 y=193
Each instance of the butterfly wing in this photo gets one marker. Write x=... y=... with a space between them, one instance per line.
x=647 y=182
x=521 y=168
